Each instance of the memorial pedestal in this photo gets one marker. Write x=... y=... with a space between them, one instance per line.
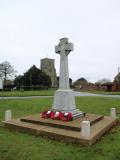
x=64 y=101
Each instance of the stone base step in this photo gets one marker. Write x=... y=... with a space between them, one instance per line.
x=97 y=130
x=66 y=134
x=70 y=125
x=77 y=115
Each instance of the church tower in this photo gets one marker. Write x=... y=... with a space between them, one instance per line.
x=48 y=66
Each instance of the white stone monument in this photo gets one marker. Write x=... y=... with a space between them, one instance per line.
x=1 y=83
x=64 y=99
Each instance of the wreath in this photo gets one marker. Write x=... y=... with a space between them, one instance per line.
x=67 y=116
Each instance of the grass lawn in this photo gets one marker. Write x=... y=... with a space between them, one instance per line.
x=104 y=92
x=49 y=92
x=21 y=146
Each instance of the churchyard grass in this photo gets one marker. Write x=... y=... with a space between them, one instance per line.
x=49 y=92
x=21 y=146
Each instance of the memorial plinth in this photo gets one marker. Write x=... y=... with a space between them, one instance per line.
x=69 y=132
x=64 y=99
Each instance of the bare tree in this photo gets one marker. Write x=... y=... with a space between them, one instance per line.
x=6 y=70
x=103 y=80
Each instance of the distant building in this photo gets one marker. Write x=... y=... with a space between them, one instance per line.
x=80 y=84
x=48 y=67
x=113 y=86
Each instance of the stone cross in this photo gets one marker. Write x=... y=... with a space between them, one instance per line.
x=64 y=99
x=64 y=48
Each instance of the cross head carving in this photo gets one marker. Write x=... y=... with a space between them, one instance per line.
x=64 y=47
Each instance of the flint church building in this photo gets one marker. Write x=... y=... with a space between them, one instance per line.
x=47 y=65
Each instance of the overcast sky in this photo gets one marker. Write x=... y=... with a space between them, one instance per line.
x=29 y=30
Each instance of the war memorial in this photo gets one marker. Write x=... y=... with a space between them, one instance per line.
x=63 y=121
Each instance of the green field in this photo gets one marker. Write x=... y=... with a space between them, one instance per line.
x=21 y=146
x=49 y=92
x=104 y=92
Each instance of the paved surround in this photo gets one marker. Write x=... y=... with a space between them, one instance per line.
x=66 y=134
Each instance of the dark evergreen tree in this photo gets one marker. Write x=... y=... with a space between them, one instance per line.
x=33 y=77
x=80 y=81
